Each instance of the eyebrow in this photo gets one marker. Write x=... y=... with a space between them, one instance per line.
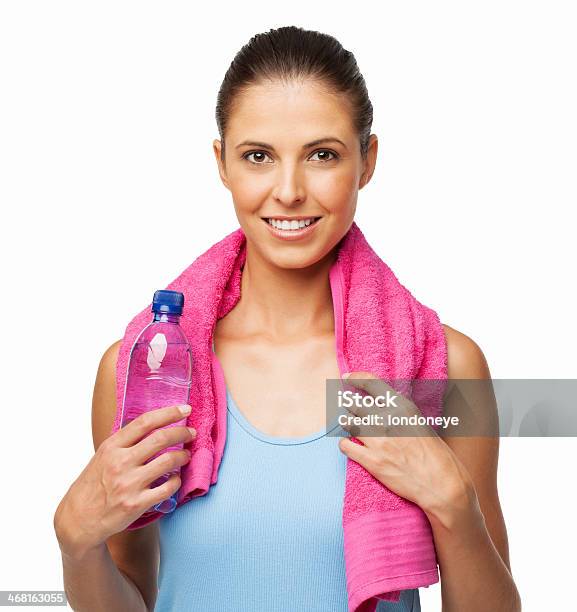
x=264 y=145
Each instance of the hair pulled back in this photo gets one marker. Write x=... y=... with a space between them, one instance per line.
x=292 y=53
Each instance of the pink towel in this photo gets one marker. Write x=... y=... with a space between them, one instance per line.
x=380 y=328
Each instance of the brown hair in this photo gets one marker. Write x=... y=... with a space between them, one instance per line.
x=294 y=53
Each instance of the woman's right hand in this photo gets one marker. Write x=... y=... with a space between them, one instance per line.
x=114 y=490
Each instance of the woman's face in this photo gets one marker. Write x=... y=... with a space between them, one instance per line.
x=275 y=168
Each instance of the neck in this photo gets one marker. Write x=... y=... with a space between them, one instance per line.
x=282 y=303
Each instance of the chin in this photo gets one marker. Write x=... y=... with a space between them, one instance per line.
x=300 y=259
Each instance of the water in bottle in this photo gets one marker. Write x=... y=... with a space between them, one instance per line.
x=159 y=374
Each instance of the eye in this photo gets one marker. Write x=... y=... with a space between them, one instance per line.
x=325 y=151
x=260 y=155
x=257 y=163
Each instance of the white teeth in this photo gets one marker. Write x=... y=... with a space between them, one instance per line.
x=290 y=225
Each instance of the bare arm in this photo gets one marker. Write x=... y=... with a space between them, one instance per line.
x=120 y=574
x=93 y=582
x=471 y=538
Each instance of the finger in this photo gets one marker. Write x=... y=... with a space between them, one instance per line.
x=362 y=402
x=151 y=497
x=163 y=439
x=162 y=465
x=352 y=401
x=368 y=432
x=146 y=422
x=350 y=427
x=356 y=452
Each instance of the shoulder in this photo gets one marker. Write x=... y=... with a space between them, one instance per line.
x=465 y=359
x=110 y=355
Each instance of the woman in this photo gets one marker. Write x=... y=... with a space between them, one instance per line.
x=295 y=146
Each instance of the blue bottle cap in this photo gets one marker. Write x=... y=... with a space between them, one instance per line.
x=167 y=301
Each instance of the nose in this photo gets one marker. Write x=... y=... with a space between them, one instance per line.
x=289 y=185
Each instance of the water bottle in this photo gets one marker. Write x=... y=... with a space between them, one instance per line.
x=159 y=374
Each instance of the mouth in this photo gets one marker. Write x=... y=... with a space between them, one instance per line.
x=289 y=224
x=291 y=228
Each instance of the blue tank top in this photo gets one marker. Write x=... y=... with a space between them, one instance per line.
x=268 y=536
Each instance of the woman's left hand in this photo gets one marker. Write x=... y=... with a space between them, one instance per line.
x=417 y=465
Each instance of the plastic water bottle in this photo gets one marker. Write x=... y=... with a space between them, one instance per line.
x=159 y=374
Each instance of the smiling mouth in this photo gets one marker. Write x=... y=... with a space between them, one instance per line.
x=290 y=224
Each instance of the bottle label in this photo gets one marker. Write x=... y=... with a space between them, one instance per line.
x=156 y=351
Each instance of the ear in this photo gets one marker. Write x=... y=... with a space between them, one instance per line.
x=217 y=148
x=370 y=161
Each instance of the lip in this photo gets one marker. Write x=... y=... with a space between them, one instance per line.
x=291 y=235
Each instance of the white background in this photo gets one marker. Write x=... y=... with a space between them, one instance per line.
x=106 y=129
